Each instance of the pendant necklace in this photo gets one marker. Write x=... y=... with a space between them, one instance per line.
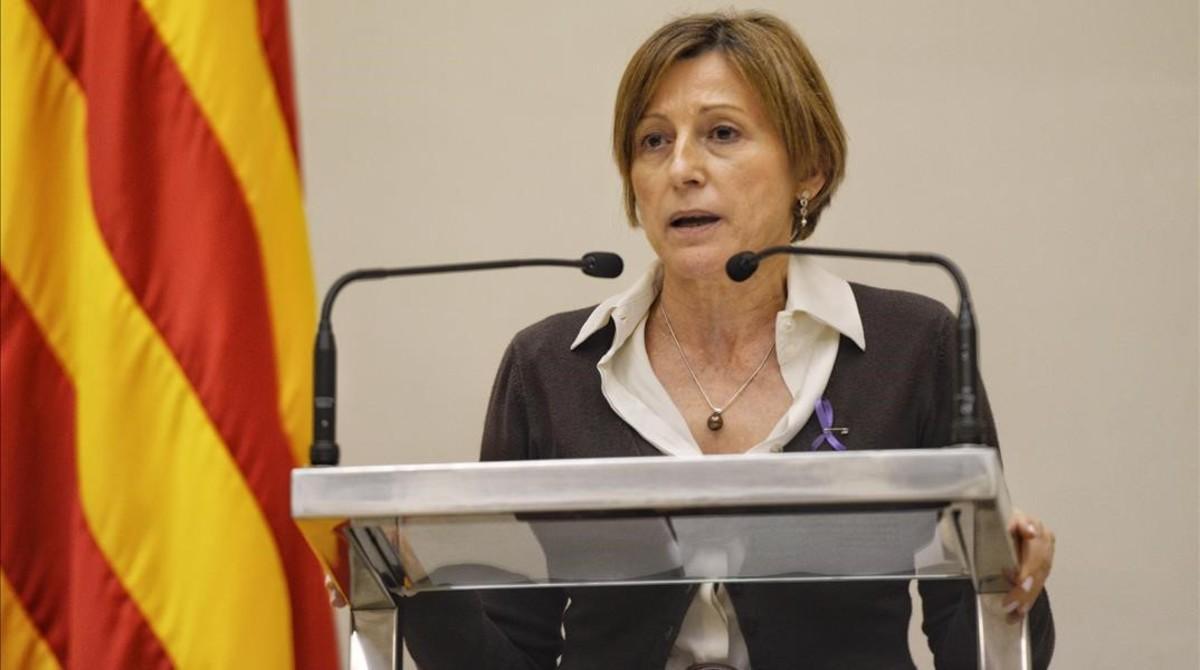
x=715 y=422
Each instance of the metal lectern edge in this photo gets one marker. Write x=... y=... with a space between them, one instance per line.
x=669 y=482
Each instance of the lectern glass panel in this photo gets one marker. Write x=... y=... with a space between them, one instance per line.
x=528 y=550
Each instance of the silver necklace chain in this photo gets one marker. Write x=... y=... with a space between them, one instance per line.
x=715 y=420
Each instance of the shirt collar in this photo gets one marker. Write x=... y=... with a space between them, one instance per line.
x=812 y=290
x=626 y=308
x=824 y=296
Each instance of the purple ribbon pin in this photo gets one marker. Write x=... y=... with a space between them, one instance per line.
x=829 y=432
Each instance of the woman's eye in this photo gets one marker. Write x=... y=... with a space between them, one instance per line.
x=653 y=141
x=725 y=133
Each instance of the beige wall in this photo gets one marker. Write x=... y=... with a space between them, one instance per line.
x=1051 y=148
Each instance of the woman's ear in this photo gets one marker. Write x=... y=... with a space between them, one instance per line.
x=810 y=187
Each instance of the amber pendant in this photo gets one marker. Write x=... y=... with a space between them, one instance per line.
x=715 y=422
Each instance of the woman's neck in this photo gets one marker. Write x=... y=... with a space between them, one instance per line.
x=714 y=317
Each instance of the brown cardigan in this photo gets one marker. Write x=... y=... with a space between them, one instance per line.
x=546 y=403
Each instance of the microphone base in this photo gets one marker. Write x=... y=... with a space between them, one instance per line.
x=324 y=454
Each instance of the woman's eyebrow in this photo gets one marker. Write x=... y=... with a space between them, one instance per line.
x=652 y=116
x=721 y=106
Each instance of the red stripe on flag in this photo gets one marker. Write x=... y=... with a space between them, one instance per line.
x=177 y=223
x=37 y=471
x=47 y=551
x=63 y=21
x=273 y=27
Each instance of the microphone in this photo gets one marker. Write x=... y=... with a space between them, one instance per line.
x=324 y=449
x=967 y=427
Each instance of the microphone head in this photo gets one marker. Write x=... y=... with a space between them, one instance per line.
x=603 y=264
x=741 y=266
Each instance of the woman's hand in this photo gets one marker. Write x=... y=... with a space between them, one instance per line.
x=335 y=596
x=1035 y=556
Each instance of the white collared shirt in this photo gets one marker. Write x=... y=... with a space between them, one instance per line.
x=820 y=309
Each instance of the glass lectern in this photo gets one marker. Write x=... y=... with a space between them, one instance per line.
x=385 y=533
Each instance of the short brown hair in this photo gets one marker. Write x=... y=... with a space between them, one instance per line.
x=774 y=61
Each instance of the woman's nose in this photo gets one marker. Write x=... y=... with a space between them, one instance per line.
x=687 y=164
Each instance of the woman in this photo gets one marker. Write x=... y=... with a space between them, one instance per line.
x=726 y=138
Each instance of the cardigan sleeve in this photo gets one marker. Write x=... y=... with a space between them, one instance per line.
x=492 y=629
x=949 y=606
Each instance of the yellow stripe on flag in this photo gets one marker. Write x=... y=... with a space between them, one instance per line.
x=21 y=647
x=217 y=47
x=163 y=499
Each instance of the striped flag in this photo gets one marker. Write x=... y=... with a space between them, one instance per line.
x=156 y=320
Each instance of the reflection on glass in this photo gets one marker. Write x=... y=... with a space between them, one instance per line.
x=495 y=551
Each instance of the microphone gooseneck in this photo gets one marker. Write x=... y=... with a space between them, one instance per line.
x=324 y=449
x=967 y=427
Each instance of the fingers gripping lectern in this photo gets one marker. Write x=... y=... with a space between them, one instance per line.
x=387 y=533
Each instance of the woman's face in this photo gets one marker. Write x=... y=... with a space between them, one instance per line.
x=710 y=172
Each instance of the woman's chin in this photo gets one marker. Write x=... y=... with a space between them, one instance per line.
x=706 y=262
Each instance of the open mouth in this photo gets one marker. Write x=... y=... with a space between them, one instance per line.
x=693 y=219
